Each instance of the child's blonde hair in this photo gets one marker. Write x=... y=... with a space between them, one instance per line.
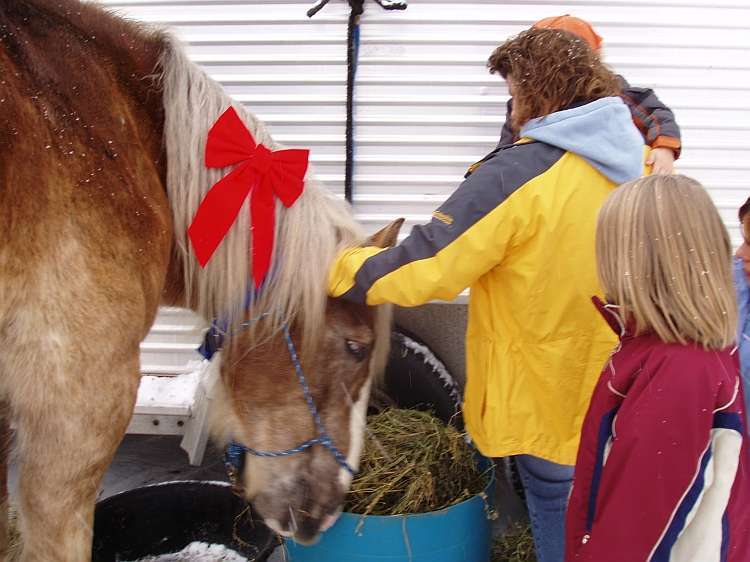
x=664 y=256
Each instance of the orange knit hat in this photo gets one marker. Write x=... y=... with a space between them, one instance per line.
x=573 y=25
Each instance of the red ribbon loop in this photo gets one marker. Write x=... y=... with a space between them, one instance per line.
x=260 y=174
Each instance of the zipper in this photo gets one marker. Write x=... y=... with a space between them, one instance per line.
x=604 y=437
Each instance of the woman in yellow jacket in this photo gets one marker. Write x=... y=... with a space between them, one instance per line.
x=519 y=232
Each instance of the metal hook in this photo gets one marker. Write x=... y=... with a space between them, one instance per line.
x=316 y=7
x=358 y=6
x=392 y=4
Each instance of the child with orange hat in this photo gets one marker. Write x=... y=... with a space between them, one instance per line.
x=654 y=120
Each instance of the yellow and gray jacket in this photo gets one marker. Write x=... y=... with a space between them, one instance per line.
x=519 y=232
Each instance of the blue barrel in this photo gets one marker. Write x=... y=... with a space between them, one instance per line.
x=460 y=533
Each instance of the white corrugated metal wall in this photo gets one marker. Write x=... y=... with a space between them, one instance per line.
x=426 y=107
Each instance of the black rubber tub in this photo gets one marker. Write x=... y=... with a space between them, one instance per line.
x=165 y=518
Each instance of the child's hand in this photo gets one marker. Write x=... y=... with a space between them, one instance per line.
x=661 y=160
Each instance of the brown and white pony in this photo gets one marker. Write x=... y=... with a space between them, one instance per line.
x=103 y=125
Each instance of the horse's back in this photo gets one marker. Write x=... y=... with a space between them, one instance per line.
x=83 y=213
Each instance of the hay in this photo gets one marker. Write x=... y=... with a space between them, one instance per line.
x=413 y=463
x=516 y=545
x=14 y=537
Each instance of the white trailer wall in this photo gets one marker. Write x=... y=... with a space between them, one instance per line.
x=427 y=108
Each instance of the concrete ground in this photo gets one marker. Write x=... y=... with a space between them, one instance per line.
x=143 y=460
x=148 y=459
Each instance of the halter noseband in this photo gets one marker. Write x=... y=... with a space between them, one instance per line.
x=234 y=456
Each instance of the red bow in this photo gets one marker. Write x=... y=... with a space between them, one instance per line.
x=260 y=171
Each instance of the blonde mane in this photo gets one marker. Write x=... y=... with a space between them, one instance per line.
x=308 y=235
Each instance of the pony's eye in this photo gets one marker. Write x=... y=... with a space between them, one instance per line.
x=356 y=349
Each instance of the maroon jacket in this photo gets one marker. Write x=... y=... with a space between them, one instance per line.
x=662 y=472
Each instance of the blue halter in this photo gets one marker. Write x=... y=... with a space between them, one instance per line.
x=234 y=455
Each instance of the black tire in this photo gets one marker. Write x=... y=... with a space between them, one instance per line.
x=416 y=378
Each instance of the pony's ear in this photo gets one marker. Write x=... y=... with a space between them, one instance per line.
x=386 y=237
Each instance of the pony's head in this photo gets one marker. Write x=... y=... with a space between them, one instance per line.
x=261 y=404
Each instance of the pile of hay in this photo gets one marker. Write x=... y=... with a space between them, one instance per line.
x=516 y=545
x=413 y=463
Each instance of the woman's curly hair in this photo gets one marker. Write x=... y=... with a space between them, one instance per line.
x=550 y=70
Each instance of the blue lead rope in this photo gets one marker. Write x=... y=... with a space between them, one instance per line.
x=234 y=454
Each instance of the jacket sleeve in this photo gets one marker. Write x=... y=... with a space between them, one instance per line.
x=506 y=134
x=467 y=236
x=742 y=290
x=671 y=449
x=654 y=119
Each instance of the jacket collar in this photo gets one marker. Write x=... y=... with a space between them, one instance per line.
x=622 y=329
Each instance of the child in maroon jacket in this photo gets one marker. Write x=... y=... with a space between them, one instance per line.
x=654 y=120
x=662 y=467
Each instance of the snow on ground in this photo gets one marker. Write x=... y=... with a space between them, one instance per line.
x=199 y=552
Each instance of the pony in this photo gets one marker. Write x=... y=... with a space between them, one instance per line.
x=103 y=125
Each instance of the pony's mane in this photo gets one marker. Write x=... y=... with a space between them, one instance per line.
x=308 y=235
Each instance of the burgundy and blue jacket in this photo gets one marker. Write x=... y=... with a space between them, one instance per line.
x=662 y=469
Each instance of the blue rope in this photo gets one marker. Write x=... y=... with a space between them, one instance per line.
x=352 y=61
x=235 y=449
x=214 y=338
x=233 y=456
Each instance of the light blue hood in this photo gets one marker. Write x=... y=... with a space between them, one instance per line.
x=601 y=132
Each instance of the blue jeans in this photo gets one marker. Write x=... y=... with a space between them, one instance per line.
x=547 y=486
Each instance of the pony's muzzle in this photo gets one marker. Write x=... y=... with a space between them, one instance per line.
x=307 y=530
x=300 y=508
